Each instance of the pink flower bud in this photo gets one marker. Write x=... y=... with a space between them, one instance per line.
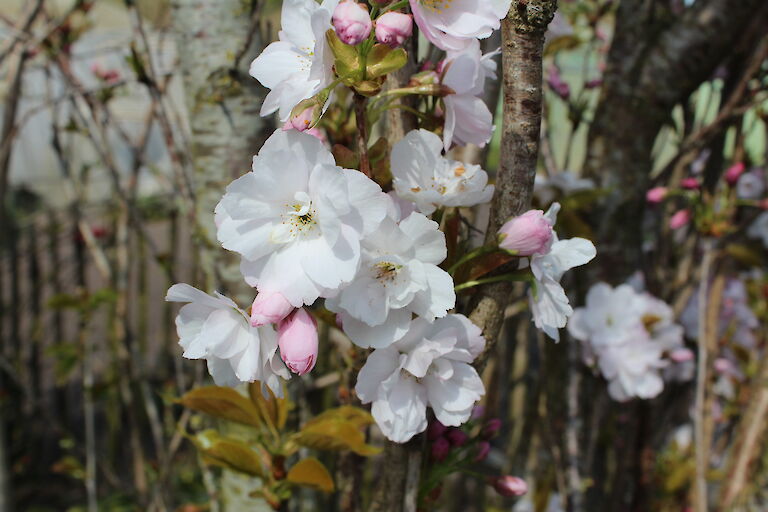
x=483 y=449
x=352 y=22
x=723 y=365
x=478 y=412
x=680 y=219
x=269 y=308
x=393 y=28
x=297 y=339
x=304 y=119
x=734 y=172
x=440 y=449
x=656 y=194
x=510 y=486
x=557 y=84
x=690 y=183
x=681 y=355
x=435 y=430
x=593 y=84
x=457 y=437
x=527 y=234
x=491 y=428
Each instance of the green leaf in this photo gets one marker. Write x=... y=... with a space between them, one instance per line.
x=383 y=60
x=224 y=403
x=312 y=473
x=274 y=409
x=232 y=454
x=558 y=44
x=337 y=430
x=346 y=59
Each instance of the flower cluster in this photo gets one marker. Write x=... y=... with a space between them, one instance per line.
x=631 y=337
x=317 y=238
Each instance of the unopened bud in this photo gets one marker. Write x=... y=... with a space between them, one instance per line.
x=352 y=22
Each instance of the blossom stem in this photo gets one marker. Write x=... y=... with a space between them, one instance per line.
x=362 y=134
x=471 y=255
x=394 y=6
x=517 y=276
x=376 y=113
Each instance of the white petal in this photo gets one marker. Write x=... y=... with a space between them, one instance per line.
x=380 y=336
x=377 y=368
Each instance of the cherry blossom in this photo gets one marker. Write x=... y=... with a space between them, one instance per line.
x=300 y=64
x=467 y=118
x=215 y=329
x=631 y=337
x=454 y=24
x=422 y=175
x=429 y=366
x=398 y=277
x=298 y=227
x=549 y=304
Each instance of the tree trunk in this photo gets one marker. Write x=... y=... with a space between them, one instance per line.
x=653 y=65
x=217 y=39
x=216 y=42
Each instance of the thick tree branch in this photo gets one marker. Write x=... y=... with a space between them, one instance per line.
x=522 y=36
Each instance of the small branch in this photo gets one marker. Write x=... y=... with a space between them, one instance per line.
x=750 y=434
x=362 y=134
x=702 y=444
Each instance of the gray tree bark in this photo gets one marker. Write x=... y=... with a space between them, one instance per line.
x=654 y=63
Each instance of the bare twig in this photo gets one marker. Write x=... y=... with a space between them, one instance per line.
x=702 y=444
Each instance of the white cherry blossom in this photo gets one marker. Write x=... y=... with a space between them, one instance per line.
x=300 y=64
x=422 y=175
x=215 y=329
x=297 y=219
x=398 y=277
x=628 y=335
x=454 y=24
x=429 y=366
x=467 y=118
x=549 y=304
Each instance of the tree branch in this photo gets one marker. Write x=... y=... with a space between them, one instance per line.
x=522 y=36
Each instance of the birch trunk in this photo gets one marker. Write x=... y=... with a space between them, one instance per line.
x=216 y=40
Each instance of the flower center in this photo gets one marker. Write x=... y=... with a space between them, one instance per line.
x=386 y=271
x=436 y=5
x=299 y=219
